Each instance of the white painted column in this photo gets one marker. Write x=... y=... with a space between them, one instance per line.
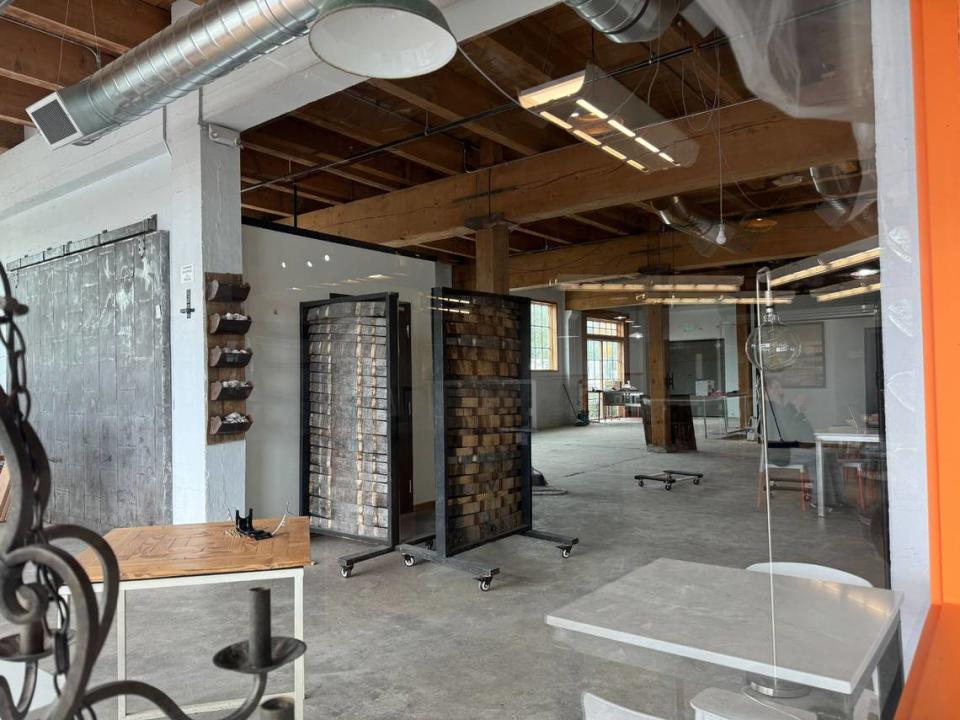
x=205 y=236
x=902 y=316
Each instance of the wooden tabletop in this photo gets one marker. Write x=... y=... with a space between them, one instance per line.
x=166 y=551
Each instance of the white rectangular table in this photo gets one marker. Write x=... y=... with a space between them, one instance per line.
x=828 y=635
x=833 y=438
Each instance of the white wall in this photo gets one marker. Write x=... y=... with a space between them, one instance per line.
x=712 y=323
x=273 y=444
x=118 y=200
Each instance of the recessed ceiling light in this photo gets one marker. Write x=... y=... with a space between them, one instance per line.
x=758 y=223
x=326 y=258
x=309 y=263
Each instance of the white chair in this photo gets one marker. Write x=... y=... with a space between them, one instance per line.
x=596 y=708
x=870 y=701
x=44 y=694
x=716 y=704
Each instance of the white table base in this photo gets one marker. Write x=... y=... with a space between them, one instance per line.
x=833 y=439
x=299 y=668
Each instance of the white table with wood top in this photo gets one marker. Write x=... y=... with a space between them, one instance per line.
x=204 y=554
x=826 y=635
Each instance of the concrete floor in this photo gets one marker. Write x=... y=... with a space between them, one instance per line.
x=423 y=642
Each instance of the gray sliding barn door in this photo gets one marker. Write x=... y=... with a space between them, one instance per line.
x=98 y=364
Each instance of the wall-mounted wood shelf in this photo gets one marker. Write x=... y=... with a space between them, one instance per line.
x=221 y=357
x=219 y=391
x=221 y=325
x=227 y=291
x=220 y=427
x=227 y=356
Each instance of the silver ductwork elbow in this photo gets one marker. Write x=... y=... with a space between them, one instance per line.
x=207 y=44
x=628 y=21
x=688 y=219
x=845 y=200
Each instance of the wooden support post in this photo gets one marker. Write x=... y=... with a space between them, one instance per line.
x=493 y=259
x=744 y=369
x=658 y=332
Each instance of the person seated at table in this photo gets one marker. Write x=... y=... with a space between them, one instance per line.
x=791 y=441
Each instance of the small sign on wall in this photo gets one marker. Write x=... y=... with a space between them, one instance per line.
x=186 y=274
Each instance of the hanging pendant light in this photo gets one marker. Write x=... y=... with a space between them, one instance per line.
x=383 y=38
x=772 y=346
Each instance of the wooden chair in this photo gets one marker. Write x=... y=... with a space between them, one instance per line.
x=803 y=483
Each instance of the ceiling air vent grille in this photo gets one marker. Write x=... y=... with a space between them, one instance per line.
x=53 y=121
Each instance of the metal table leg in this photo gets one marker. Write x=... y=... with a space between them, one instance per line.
x=821 y=502
x=121 y=648
x=299 y=666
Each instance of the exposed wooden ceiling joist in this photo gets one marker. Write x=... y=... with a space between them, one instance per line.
x=796 y=235
x=374 y=125
x=331 y=189
x=111 y=25
x=580 y=179
x=15 y=97
x=42 y=60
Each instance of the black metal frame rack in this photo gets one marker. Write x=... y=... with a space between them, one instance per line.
x=436 y=549
x=669 y=478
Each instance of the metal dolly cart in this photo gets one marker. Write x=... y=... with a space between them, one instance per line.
x=669 y=478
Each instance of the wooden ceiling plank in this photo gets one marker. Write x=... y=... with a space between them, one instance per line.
x=580 y=179
x=331 y=189
x=41 y=60
x=15 y=97
x=374 y=125
x=115 y=26
x=11 y=135
x=453 y=97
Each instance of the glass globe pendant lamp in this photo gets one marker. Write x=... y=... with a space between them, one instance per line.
x=772 y=346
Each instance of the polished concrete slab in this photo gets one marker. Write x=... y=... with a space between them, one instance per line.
x=423 y=642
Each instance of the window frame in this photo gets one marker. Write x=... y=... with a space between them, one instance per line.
x=554 y=335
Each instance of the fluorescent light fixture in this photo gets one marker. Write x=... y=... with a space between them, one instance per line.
x=383 y=38
x=845 y=290
x=740 y=298
x=605 y=287
x=555 y=120
x=553 y=91
x=637 y=166
x=578 y=102
x=695 y=283
x=616 y=153
x=648 y=145
x=587 y=138
x=865 y=273
x=847 y=256
x=591 y=108
x=620 y=127
x=378 y=276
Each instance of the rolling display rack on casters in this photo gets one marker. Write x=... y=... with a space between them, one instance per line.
x=669 y=478
x=481 y=369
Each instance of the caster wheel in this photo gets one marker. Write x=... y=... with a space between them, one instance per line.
x=641 y=483
x=668 y=487
x=485 y=584
x=565 y=552
x=346 y=571
x=409 y=560
x=696 y=481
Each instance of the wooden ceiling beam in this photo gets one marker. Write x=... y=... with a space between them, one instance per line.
x=111 y=25
x=580 y=179
x=796 y=235
x=374 y=125
x=42 y=60
x=15 y=97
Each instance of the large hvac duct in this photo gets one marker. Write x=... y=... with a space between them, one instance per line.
x=3 y=5
x=627 y=21
x=208 y=43
x=222 y=35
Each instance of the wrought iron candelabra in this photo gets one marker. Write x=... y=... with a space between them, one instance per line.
x=36 y=574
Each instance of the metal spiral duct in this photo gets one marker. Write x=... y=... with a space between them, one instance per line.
x=688 y=219
x=4 y=4
x=628 y=21
x=209 y=43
